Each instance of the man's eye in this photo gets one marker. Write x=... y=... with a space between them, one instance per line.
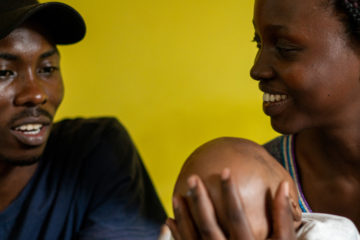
x=48 y=70
x=6 y=73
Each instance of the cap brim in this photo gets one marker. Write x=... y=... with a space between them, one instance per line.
x=62 y=23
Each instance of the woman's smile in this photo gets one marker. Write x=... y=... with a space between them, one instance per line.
x=306 y=67
x=274 y=104
x=272 y=98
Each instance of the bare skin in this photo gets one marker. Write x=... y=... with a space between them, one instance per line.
x=31 y=90
x=13 y=180
x=255 y=178
x=309 y=63
x=309 y=58
x=321 y=171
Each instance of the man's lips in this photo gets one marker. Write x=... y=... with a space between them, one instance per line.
x=31 y=131
x=43 y=120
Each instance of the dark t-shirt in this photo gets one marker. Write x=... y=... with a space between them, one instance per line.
x=90 y=184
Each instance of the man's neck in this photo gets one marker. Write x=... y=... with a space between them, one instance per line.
x=13 y=179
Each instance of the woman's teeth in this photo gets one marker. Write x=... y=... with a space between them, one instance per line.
x=267 y=97
x=29 y=128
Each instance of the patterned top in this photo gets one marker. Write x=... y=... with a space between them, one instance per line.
x=282 y=148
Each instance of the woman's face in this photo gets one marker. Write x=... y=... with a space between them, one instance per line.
x=306 y=67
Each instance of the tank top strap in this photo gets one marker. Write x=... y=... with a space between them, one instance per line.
x=288 y=151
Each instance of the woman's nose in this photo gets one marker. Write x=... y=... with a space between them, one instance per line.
x=30 y=91
x=262 y=68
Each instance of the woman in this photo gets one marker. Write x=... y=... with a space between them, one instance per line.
x=308 y=66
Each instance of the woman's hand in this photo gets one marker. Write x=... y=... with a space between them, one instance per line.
x=283 y=220
x=195 y=216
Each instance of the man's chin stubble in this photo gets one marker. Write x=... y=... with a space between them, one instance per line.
x=20 y=162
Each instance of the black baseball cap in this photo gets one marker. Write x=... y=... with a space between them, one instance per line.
x=63 y=23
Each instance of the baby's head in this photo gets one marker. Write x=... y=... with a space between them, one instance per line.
x=254 y=171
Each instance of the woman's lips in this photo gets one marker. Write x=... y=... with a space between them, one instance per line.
x=274 y=104
x=31 y=134
x=268 y=97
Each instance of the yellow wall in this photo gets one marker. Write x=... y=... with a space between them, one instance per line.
x=175 y=72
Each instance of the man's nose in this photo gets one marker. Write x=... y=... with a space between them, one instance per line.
x=30 y=91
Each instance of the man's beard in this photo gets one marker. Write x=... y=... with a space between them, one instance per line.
x=20 y=162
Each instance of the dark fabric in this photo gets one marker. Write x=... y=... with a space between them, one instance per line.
x=60 y=21
x=90 y=184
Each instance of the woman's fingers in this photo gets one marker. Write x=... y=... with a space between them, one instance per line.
x=196 y=218
x=182 y=228
x=202 y=210
x=171 y=223
x=283 y=221
x=237 y=222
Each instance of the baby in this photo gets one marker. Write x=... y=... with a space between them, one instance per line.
x=257 y=175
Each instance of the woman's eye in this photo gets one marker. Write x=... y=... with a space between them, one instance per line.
x=286 y=47
x=287 y=51
x=6 y=73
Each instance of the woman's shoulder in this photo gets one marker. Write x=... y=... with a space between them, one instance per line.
x=275 y=148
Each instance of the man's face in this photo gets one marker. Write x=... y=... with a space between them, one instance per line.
x=31 y=90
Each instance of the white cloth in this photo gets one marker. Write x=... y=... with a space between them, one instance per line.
x=315 y=226
x=319 y=226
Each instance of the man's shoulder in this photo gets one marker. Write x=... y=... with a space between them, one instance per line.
x=87 y=125
x=80 y=136
x=91 y=147
x=86 y=129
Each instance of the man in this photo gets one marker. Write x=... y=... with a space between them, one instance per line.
x=76 y=179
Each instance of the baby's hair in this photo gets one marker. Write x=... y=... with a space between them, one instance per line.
x=253 y=152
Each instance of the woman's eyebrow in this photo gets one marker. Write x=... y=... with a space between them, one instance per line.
x=272 y=27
